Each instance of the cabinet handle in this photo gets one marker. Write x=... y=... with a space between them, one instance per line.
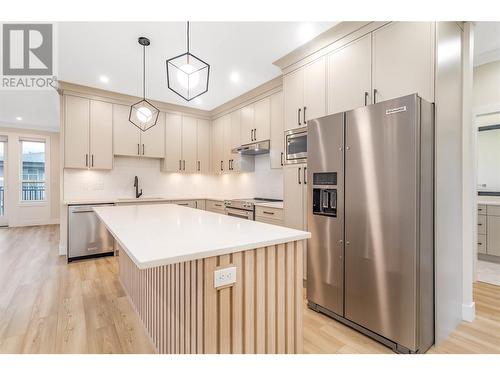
x=92 y=157
x=305 y=115
x=298 y=175
x=86 y=160
x=230 y=164
x=298 y=116
x=479 y=243
x=143 y=148
x=305 y=176
x=222 y=165
x=217 y=205
x=267 y=212
x=479 y=224
x=375 y=96
x=281 y=159
x=138 y=149
x=255 y=134
x=183 y=165
x=366 y=98
x=199 y=166
x=180 y=165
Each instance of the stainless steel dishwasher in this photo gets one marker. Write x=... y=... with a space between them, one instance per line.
x=87 y=235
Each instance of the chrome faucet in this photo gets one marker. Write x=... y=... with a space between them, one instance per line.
x=136 y=185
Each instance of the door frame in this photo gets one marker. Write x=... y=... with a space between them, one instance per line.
x=4 y=220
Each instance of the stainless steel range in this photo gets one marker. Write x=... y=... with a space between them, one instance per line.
x=244 y=208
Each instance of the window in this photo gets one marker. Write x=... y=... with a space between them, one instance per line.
x=32 y=170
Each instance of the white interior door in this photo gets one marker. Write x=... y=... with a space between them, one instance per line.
x=3 y=180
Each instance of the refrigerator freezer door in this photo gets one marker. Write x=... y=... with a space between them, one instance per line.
x=325 y=267
x=381 y=201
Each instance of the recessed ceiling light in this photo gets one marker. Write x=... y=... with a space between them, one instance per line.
x=104 y=79
x=305 y=32
x=234 y=77
x=19 y=118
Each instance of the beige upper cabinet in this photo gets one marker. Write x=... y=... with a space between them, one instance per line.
x=203 y=146
x=153 y=139
x=262 y=120
x=126 y=136
x=218 y=145
x=349 y=76
x=403 y=60
x=88 y=133
x=189 y=144
x=314 y=90
x=232 y=139
x=247 y=123
x=277 y=137
x=293 y=94
x=76 y=132
x=173 y=143
x=101 y=135
x=304 y=93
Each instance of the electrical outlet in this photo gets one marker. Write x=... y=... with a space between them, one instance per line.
x=224 y=276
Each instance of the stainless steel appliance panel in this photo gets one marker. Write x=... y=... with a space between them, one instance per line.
x=87 y=235
x=296 y=146
x=381 y=218
x=242 y=214
x=325 y=249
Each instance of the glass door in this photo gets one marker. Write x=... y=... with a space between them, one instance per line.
x=3 y=184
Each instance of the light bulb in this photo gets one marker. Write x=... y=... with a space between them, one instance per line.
x=188 y=77
x=144 y=114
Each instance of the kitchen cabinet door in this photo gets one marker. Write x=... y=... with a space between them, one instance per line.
x=203 y=146
x=403 y=60
x=314 y=90
x=277 y=133
x=76 y=132
x=293 y=95
x=126 y=136
x=493 y=236
x=189 y=138
x=349 y=76
x=294 y=197
x=234 y=140
x=101 y=135
x=153 y=139
x=247 y=124
x=173 y=143
x=262 y=119
x=218 y=145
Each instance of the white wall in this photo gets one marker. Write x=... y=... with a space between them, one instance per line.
x=118 y=183
x=486 y=93
x=31 y=213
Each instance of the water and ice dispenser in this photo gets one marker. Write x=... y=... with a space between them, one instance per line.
x=325 y=194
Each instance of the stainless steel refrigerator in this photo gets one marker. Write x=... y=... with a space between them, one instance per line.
x=371 y=215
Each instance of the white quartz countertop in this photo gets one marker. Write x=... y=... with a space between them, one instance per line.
x=159 y=234
x=484 y=199
x=133 y=200
x=270 y=204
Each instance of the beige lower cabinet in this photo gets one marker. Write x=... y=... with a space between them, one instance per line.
x=493 y=235
x=186 y=203
x=269 y=215
x=214 y=206
x=200 y=204
x=488 y=231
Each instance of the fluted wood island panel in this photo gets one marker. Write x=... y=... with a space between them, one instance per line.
x=183 y=312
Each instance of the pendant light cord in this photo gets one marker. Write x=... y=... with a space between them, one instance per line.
x=144 y=72
x=188 y=36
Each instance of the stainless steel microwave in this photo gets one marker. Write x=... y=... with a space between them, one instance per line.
x=296 y=146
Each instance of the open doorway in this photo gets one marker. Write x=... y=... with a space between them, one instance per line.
x=486 y=107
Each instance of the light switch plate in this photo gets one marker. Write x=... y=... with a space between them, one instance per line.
x=224 y=276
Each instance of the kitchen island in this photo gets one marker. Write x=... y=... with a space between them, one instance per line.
x=167 y=259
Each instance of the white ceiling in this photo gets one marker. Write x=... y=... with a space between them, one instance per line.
x=88 y=50
x=486 y=42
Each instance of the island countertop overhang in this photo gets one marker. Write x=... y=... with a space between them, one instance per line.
x=161 y=234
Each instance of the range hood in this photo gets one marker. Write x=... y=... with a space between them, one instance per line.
x=256 y=148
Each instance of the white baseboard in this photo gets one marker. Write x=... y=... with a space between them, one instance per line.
x=469 y=312
x=62 y=249
x=30 y=223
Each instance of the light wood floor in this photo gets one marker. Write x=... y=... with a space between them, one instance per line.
x=48 y=306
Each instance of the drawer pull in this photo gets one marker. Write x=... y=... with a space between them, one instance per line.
x=479 y=243
x=218 y=205
x=479 y=224
x=267 y=212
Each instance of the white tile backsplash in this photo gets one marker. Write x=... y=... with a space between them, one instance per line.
x=118 y=183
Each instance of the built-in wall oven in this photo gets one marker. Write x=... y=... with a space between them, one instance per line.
x=296 y=146
x=240 y=213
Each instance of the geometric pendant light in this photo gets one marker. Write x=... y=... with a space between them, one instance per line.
x=143 y=114
x=187 y=75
